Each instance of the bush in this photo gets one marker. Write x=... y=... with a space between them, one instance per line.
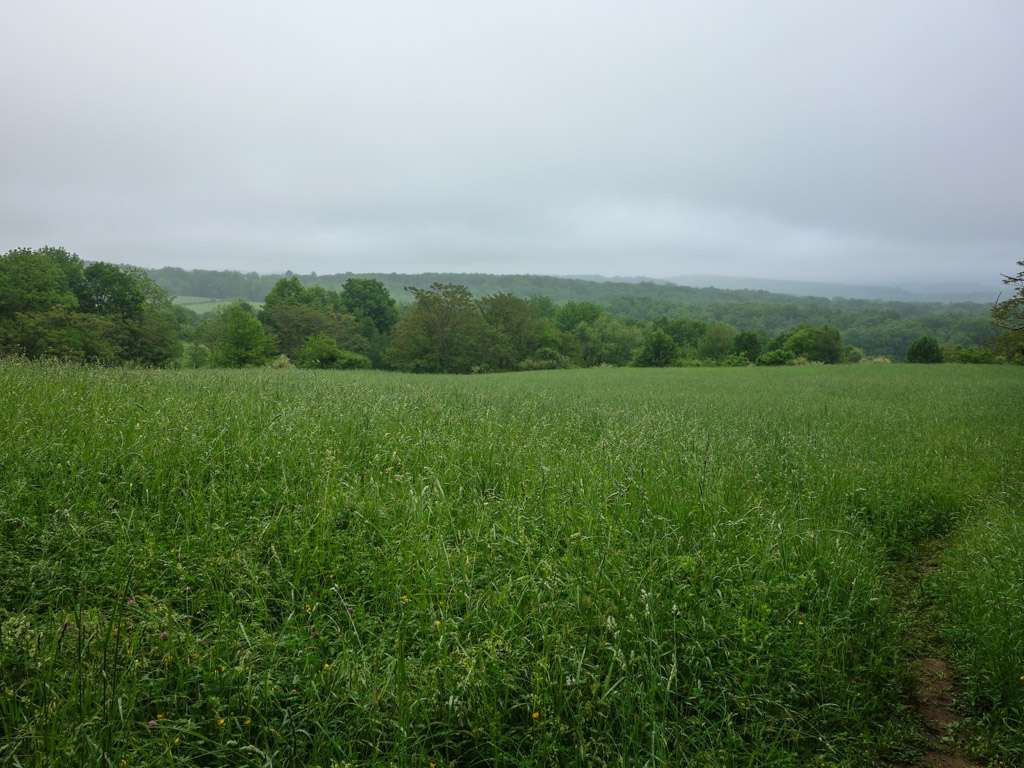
x=776 y=357
x=978 y=355
x=853 y=354
x=323 y=352
x=281 y=361
x=736 y=361
x=924 y=350
x=658 y=350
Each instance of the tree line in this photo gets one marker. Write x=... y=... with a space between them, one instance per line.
x=54 y=304
x=878 y=327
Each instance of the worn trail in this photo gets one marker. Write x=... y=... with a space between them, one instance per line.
x=934 y=681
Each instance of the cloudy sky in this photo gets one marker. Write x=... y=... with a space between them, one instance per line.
x=858 y=141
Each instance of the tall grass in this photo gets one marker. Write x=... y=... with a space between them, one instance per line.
x=596 y=567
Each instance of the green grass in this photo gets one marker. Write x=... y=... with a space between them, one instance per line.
x=203 y=304
x=593 y=567
x=981 y=587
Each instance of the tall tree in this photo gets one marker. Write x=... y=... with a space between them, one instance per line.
x=1009 y=313
x=657 y=350
x=236 y=338
x=443 y=331
x=369 y=299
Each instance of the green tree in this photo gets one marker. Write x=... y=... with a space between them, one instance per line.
x=287 y=290
x=369 y=299
x=519 y=329
x=61 y=333
x=748 y=344
x=658 y=350
x=111 y=290
x=924 y=350
x=608 y=341
x=34 y=281
x=443 y=331
x=717 y=341
x=572 y=313
x=1009 y=313
x=321 y=351
x=236 y=338
x=820 y=344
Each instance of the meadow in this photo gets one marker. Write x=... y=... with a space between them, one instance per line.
x=688 y=566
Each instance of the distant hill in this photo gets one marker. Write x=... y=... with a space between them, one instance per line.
x=943 y=292
x=878 y=326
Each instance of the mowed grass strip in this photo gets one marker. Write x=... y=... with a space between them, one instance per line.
x=599 y=567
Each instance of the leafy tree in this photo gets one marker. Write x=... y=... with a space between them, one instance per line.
x=924 y=350
x=608 y=341
x=1009 y=313
x=370 y=299
x=322 y=351
x=658 y=350
x=780 y=356
x=59 y=332
x=111 y=290
x=236 y=338
x=686 y=333
x=50 y=304
x=820 y=344
x=291 y=324
x=519 y=328
x=717 y=341
x=287 y=290
x=33 y=281
x=572 y=313
x=443 y=331
x=748 y=344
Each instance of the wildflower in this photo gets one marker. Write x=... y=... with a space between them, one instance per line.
x=220 y=668
x=123 y=762
x=151 y=724
x=438 y=622
x=220 y=721
x=177 y=739
x=164 y=635
x=327 y=666
x=405 y=599
x=160 y=716
x=536 y=715
x=248 y=721
x=131 y=600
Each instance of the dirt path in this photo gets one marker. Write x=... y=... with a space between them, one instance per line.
x=934 y=683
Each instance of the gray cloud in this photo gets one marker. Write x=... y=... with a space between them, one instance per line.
x=845 y=140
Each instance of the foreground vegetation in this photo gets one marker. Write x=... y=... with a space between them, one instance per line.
x=600 y=567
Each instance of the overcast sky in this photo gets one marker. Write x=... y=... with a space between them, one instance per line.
x=859 y=141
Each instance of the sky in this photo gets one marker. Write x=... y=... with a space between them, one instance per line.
x=863 y=142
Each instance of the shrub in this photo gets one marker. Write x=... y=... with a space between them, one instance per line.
x=736 y=360
x=924 y=350
x=979 y=355
x=323 y=352
x=776 y=357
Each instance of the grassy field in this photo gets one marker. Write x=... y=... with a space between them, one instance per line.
x=202 y=304
x=592 y=567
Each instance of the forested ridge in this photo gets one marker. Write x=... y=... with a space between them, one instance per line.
x=877 y=327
